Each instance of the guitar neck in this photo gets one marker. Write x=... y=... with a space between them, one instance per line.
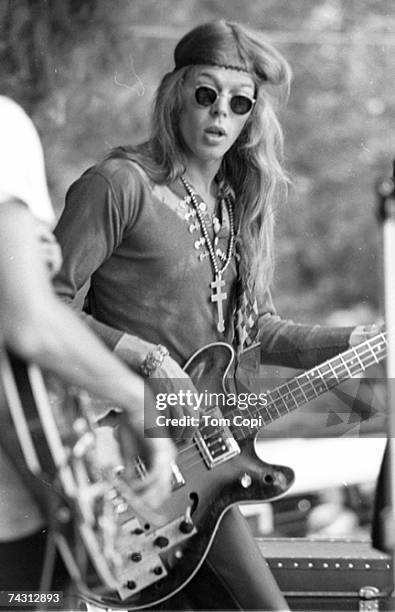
x=311 y=384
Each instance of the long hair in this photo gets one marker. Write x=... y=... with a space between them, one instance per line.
x=252 y=168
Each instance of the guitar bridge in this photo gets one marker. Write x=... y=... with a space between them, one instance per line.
x=215 y=440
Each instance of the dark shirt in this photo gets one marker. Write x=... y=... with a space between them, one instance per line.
x=132 y=239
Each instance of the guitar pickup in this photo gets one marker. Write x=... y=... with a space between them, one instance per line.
x=215 y=440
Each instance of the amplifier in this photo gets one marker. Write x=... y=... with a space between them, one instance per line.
x=330 y=574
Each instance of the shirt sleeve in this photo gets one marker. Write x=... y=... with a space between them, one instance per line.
x=98 y=210
x=22 y=174
x=288 y=344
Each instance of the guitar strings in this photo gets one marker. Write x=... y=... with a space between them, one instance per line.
x=307 y=383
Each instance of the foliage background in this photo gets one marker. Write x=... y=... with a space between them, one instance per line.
x=86 y=71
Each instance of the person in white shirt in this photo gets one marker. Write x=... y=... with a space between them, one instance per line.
x=37 y=327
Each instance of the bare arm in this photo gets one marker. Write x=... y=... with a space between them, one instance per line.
x=38 y=327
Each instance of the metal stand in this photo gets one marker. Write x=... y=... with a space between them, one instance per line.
x=386 y=211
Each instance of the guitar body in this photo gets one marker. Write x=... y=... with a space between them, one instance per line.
x=202 y=493
x=209 y=493
x=219 y=466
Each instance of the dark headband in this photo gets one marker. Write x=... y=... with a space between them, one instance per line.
x=212 y=44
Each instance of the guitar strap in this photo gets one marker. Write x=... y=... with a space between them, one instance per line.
x=13 y=444
x=24 y=444
x=44 y=437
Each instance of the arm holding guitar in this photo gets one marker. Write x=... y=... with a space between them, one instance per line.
x=38 y=328
x=365 y=332
x=168 y=377
x=288 y=344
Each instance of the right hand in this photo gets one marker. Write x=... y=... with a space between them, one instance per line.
x=157 y=455
x=120 y=441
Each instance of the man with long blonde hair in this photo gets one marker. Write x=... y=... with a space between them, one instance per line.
x=176 y=238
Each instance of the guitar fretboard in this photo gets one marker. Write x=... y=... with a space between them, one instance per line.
x=311 y=384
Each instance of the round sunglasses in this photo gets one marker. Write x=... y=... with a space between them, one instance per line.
x=239 y=103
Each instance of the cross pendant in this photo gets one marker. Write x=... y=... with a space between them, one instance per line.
x=218 y=296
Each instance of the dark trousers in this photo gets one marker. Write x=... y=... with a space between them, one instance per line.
x=21 y=566
x=234 y=576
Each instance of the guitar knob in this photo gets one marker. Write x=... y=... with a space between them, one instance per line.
x=161 y=542
x=246 y=481
x=268 y=479
x=136 y=557
x=157 y=570
x=130 y=585
x=280 y=480
x=186 y=527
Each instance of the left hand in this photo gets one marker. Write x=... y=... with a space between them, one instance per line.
x=364 y=332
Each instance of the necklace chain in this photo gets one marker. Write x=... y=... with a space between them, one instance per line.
x=203 y=227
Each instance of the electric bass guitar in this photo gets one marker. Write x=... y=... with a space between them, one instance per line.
x=219 y=467
x=215 y=469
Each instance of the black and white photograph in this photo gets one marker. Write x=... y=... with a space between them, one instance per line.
x=197 y=305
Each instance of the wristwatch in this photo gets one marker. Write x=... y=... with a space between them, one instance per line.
x=153 y=360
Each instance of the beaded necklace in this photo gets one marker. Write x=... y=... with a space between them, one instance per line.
x=217 y=295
